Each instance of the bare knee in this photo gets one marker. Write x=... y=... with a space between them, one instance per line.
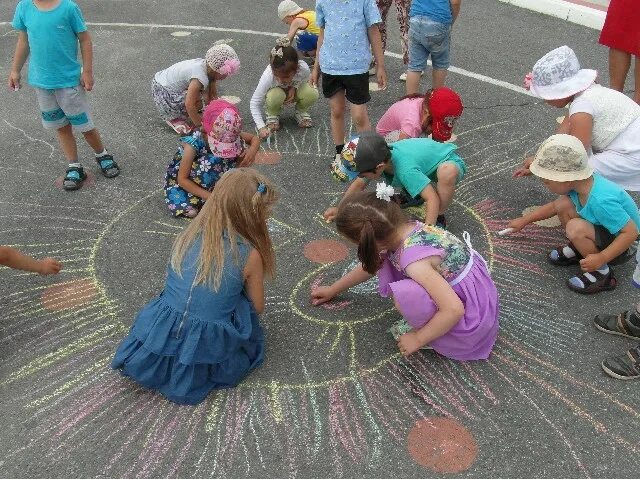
x=359 y=115
x=447 y=174
x=577 y=229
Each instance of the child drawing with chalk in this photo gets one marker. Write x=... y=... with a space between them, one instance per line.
x=13 y=258
x=203 y=331
x=180 y=90
x=424 y=168
x=284 y=81
x=600 y=219
x=204 y=155
x=439 y=284
x=303 y=30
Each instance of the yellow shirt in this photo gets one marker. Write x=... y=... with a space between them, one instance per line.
x=310 y=17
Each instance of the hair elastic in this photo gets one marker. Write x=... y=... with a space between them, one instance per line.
x=262 y=188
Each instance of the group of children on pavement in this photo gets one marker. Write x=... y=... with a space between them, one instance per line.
x=203 y=331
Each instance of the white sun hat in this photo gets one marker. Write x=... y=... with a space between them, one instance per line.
x=558 y=75
x=288 y=7
x=562 y=158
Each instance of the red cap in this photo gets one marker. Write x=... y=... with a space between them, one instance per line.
x=445 y=107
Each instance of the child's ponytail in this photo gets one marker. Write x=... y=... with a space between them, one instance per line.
x=283 y=58
x=368 y=253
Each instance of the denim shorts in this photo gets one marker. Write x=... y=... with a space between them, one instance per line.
x=428 y=38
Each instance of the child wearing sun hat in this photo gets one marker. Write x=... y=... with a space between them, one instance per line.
x=205 y=155
x=303 y=30
x=605 y=120
x=600 y=219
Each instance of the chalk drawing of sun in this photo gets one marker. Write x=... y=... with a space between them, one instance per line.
x=333 y=393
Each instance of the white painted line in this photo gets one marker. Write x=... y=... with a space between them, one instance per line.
x=571 y=12
x=459 y=71
x=180 y=34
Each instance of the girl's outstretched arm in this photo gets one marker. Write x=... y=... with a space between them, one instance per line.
x=450 y=307
x=15 y=259
x=322 y=294
x=254 y=280
x=188 y=155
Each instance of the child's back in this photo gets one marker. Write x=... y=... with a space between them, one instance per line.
x=437 y=10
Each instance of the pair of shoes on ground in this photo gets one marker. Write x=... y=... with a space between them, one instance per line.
x=625 y=366
x=75 y=175
x=586 y=283
x=303 y=119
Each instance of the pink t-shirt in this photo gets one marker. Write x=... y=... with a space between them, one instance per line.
x=404 y=116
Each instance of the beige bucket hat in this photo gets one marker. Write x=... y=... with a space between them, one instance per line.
x=562 y=158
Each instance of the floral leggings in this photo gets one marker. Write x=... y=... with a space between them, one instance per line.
x=402 y=6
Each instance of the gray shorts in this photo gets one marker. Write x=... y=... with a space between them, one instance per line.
x=64 y=106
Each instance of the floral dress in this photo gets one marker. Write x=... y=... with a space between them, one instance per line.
x=205 y=172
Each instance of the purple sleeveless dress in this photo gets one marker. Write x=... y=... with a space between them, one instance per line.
x=474 y=335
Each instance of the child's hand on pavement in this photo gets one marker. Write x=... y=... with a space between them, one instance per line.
x=264 y=132
x=330 y=214
x=517 y=224
x=524 y=169
x=591 y=262
x=321 y=294
x=409 y=343
x=49 y=266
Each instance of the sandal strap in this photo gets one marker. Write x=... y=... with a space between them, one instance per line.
x=74 y=173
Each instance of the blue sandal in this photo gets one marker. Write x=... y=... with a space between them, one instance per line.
x=73 y=178
x=108 y=166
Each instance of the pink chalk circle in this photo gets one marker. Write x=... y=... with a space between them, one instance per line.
x=326 y=251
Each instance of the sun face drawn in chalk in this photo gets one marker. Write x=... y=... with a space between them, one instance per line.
x=180 y=34
x=552 y=222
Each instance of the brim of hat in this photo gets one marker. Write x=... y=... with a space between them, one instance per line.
x=580 y=82
x=225 y=150
x=561 y=176
x=294 y=12
x=341 y=173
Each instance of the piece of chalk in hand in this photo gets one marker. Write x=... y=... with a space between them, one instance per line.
x=505 y=231
x=16 y=88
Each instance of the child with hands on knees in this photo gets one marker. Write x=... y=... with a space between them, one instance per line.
x=606 y=121
x=179 y=90
x=424 y=168
x=49 y=32
x=303 y=30
x=203 y=331
x=285 y=80
x=349 y=32
x=600 y=219
x=203 y=156
x=435 y=113
x=440 y=285
x=13 y=258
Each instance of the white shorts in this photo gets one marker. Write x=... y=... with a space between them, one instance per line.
x=64 y=106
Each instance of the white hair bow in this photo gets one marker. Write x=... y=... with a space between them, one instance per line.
x=277 y=52
x=384 y=191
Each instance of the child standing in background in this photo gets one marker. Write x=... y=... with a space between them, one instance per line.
x=348 y=32
x=179 y=91
x=205 y=155
x=59 y=81
x=303 y=30
x=439 y=284
x=13 y=258
x=285 y=80
x=430 y=23
x=203 y=331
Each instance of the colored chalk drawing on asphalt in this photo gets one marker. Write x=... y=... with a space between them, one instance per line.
x=342 y=399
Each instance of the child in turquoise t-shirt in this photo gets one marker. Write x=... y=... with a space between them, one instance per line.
x=59 y=80
x=424 y=168
x=601 y=220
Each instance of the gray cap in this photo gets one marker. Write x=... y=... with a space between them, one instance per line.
x=371 y=151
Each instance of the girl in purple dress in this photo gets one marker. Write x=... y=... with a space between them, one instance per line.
x=439 y=284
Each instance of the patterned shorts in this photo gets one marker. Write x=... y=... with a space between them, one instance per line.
x=64 y=106
x=170 y=104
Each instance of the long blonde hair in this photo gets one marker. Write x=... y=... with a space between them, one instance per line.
x=239 y=205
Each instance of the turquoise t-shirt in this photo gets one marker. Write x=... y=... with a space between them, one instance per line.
x=437 y=10
x=608 y=205
x=416 y=161
x=53 y=43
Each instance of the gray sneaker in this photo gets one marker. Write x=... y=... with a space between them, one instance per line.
x=624 y=366
x=625 y=324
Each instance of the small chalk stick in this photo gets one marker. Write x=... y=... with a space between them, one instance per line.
x=16 y=88
x=505 y=231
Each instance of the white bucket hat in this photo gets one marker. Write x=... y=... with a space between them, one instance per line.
x=288 y=7
x=558 y=75
x=562 y=158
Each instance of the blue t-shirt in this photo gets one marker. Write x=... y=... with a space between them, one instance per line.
x=608 y=205
x=416 y=161
x=53 y=43
x=345 y=49
x=436 y=10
